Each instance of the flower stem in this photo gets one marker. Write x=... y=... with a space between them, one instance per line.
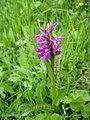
x=52 y=63
x=50 y=69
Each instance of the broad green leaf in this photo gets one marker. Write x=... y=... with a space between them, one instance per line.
x=55 y=117
x=75 y=106
x=44 y=116
x=78 y=100
x=85 y=111
x=78 y=96
x=60 y=96
x=83 y=94
x=68 y=99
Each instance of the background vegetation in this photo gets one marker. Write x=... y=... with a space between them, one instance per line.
x=24 y=85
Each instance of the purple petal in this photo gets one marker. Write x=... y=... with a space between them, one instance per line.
x=42 y=30
x=41 y=40
x=47 y=56
x=55 y=46
x=43 y=46
x=53 y=40
x=38 y=50
x=38 y=41
x=52 y=26
x=58 y=52
x=59 y=38
x=37 y=36
x=55 y=24
x=40 y=55
x=48 y=45
x=47 y=50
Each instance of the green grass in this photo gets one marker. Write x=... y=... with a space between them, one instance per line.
x=23 y=79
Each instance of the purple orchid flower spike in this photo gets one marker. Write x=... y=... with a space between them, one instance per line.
x=48 y=45
x=48 y=48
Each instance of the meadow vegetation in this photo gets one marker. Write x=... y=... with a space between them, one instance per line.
x=24 y=82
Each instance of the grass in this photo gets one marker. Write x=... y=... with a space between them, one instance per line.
x=23 y=79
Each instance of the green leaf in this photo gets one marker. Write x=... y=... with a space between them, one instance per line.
x=85 y=111
x=43 y=116
x=75 y=106
x=36 y=4
x=23 y=60
x=24 y=106
x=11 y=35
x=14 y=103
x=78 y=100
x=61 y=2
x=61 y=96
x=55 y=117
x=78 y=96
x=68 y=99
x=83 y=94
x=7 y=87
x=28 y=118
x=39 y=93
x=36 y=108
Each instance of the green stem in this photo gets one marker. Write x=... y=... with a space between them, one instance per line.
x=50 y=69
x=52 y=63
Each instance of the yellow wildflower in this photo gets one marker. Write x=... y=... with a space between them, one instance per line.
x=80 y=4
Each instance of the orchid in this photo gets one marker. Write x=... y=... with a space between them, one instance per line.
x=48 y=48
x=48 y=45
